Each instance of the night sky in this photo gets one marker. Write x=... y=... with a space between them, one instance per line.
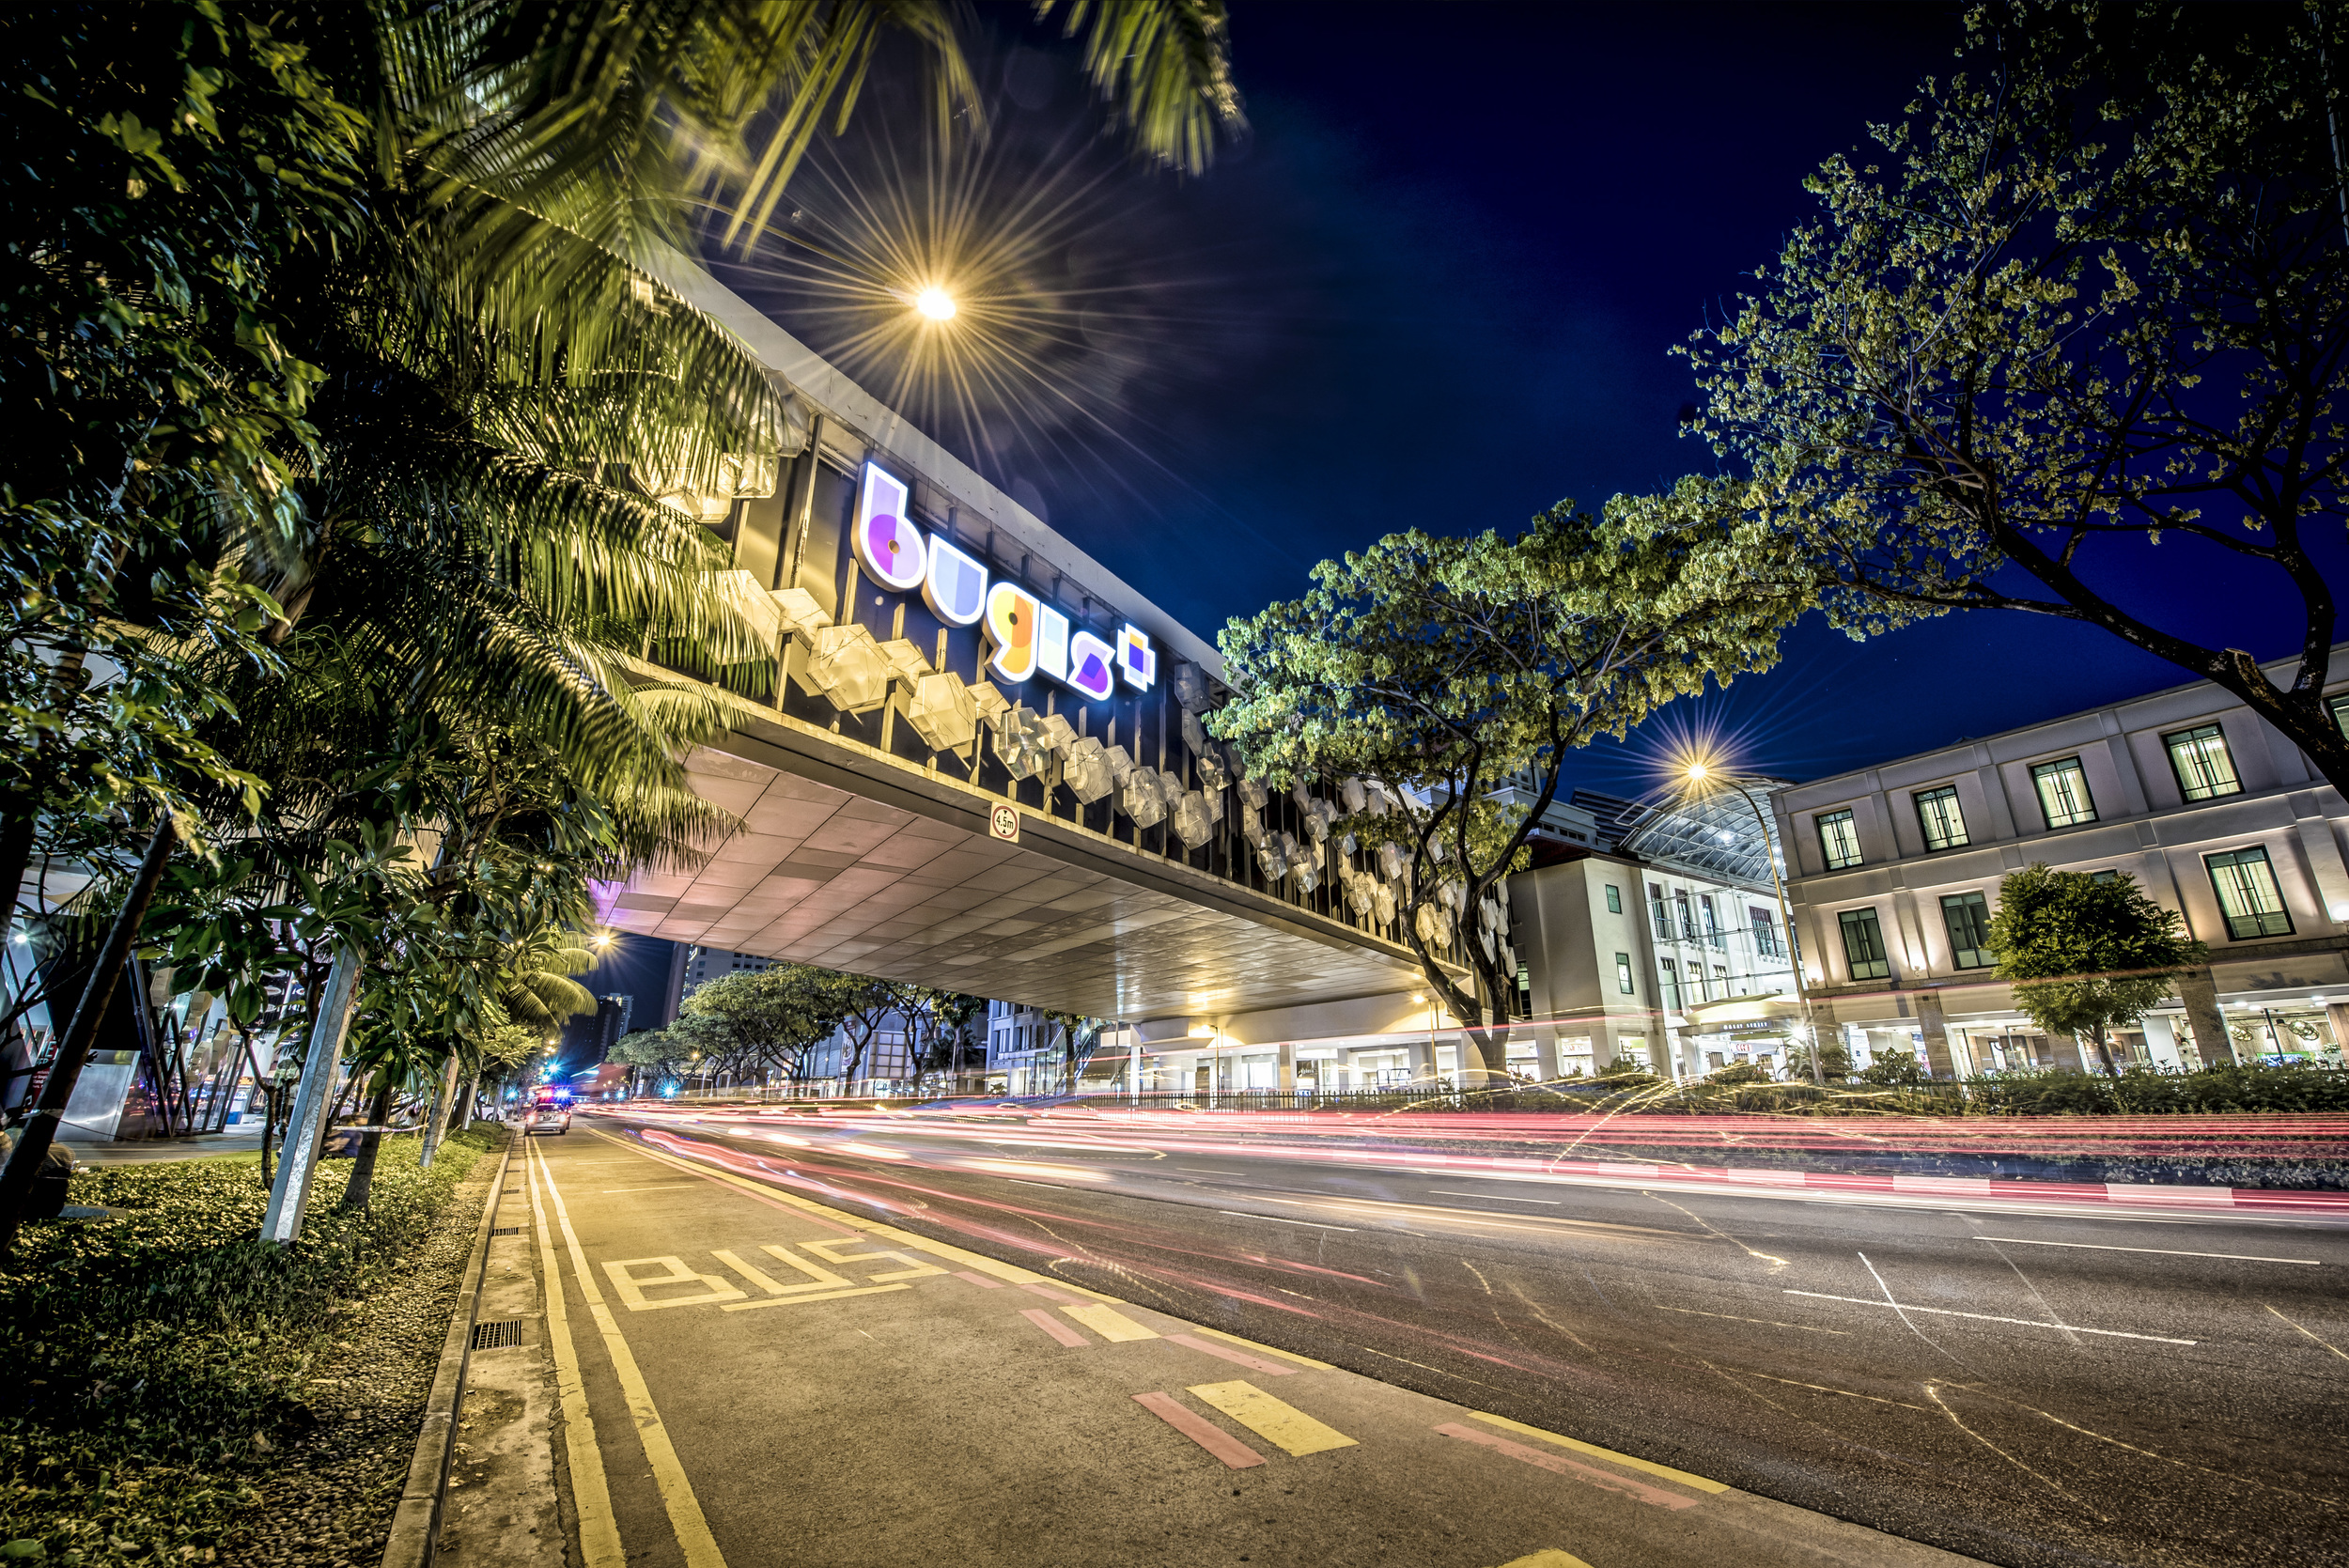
x=1436 y=286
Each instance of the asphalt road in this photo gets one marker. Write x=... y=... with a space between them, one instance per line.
x=2017 y=1382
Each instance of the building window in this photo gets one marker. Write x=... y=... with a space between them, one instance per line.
x=2341 y=712
x=1622 y=973
x=1614 y=900
x=1712 y=925
x=1656 y=906
x=1839 y=840
x=1765 y=932
x=2248 y=893
x=2064 y=792
x=1688 y=917
x=1967 y=915
x=1720 y=978
x=2102 y=877
x=2204 y=767
x=1937 y=815
x=1671 y=982
x=1863 y=945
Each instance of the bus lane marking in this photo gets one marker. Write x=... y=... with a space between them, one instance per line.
x=1282 y=1424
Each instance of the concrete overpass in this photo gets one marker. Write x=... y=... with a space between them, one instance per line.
x=984 y=769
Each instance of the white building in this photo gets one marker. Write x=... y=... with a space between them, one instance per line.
x=1668 y=949
x=1896 y=874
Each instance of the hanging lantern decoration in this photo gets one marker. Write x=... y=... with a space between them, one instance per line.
x=849 y=668
x=1087 y=774
x=1139 y=797
x=943 y=712
x=1191 y=688
x=1270 y=861
x=1213 y=776
x=1353 y=795
x=1392 y=862
x=1194 y=734
x=1021 y=744
x=1382 y=901
x=1191 y=822
x=1361 y=894
x=1252 y=795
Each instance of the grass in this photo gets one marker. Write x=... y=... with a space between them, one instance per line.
x=164 y=1357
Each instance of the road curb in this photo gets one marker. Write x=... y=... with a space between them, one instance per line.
x=417 y=1523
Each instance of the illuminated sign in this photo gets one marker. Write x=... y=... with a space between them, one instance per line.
x=1028 y=636
x=887 y=543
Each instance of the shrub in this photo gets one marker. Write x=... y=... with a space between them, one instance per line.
x=158 y=1357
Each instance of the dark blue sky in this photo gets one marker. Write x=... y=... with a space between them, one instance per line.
x=1437 y=285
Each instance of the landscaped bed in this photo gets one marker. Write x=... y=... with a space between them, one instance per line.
x=182 y=1392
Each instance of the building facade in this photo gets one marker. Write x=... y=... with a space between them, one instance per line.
x=1666 y=948
x=1896 y=874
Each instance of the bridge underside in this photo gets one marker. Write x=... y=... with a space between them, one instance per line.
x=853 y=859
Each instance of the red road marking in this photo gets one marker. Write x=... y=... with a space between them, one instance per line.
x=1559 y=1465
x=1053 y=1293
x=1055 y=1327
x=1254 y=1364
x=978 y=1279
x=1209 y=1436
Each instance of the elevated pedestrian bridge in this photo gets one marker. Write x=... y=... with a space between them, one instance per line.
x=984 y=768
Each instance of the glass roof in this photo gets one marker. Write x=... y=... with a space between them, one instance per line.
x=1716 y=834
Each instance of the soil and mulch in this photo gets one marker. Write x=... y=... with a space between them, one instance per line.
x=181 y=1392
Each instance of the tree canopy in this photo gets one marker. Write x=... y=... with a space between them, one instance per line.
x=2085 y=955
x=2069 y=339
x=1444 y=670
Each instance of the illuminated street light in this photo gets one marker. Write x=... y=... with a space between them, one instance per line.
x=935 y=302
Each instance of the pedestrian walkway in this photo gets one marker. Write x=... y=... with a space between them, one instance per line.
x=747 y=1376
x=146 y=1151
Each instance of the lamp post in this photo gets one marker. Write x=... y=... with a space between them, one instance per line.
x=1698 y=776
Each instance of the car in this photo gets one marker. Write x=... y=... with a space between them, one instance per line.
x=547 y=1113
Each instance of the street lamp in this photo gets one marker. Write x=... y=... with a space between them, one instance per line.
x=1698 y=777
x=936 y=304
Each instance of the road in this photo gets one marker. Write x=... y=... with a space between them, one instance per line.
x=2019 y=1383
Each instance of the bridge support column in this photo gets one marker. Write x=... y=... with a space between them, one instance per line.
x=1286 y=1082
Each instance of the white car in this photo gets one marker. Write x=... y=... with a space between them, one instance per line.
x=547 y=1118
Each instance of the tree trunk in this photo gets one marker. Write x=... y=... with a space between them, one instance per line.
x=2104 y=1051
x=472 y=1094
x=65 y=1068
x=435 y=1124
x=363 y=1168
x=305 y=1121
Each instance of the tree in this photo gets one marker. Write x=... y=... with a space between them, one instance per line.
x=2072 y=341
x=1442 y=669
x=766 y=1020
x=1834 y=1060
x=2087 y=956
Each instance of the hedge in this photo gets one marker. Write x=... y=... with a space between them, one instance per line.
x=159 y=1356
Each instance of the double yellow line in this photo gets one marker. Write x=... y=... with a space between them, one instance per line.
x=598 y=1527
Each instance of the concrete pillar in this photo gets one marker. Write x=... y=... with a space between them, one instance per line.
x=2198 y=993
x=2159 y=1040
x=1935 y=1025
x=1423 y=1060
x=1286 y=1081
x=1546 y=1053
x=2337 y=1013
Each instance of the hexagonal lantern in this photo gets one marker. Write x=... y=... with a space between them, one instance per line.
x=1213 y=776
x=1059 y=733
x=1120 y=764
x=1087 y=774
x=1251 y=827
x=1270 y=861
x=1191 y=822
x=1019 y=742
x=1194 y=734
x=943 y=712
x=1140 y=799
x=1383 y=902
x=1253 y=794
x=1361 y=894
x=849 y=668
x=1191 y=688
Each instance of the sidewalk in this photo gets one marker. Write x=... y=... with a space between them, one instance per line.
x=145 y=1151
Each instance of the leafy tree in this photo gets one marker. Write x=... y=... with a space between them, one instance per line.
x=1443 y=669
x=764 y=1020
x=1899 y=1068
x=2070 y=340
x=2087 y=956
x=1834 y=1060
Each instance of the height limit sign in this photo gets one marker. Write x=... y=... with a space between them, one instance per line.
x=1003 y=823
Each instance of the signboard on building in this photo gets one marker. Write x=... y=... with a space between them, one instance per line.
x=1003 y=823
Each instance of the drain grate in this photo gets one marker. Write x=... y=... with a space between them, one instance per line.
x=489 y=1336
x=506 y=1230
